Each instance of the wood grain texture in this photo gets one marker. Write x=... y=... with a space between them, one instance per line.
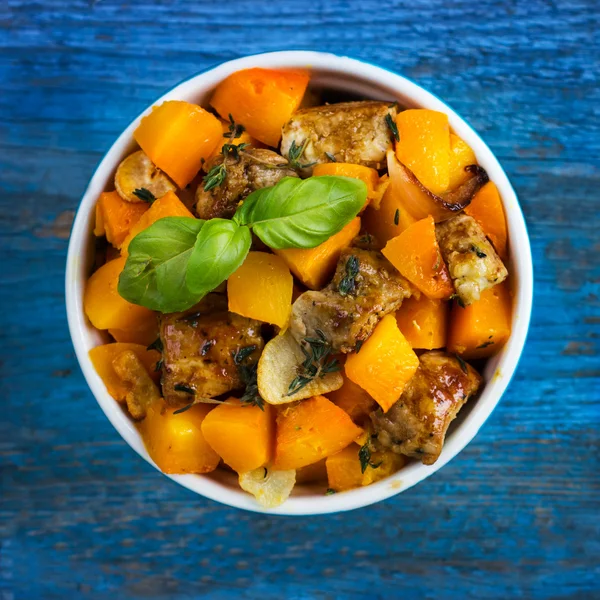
x=514 y=515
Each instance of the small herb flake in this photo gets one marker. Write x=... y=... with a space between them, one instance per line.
x=235 y=130
x=145 y=195
x=485 y=344
x=330 y=156
x=458 y=299
x=248 y=376
x=397 y=216
x=477 y=251
x=358 y=345
x=206 y=347
x=183 y=409
x=330 y=492
x=364 y=456
x=348 y=282
x=156 y=345
x=158 y=366
x=462 y=363
x=389 y=121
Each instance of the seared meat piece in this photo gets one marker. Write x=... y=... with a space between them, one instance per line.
x=364 y=289
x=256 y=168
x=472 y=261
x=197 y=350
x=352 y=132
x=416 y=425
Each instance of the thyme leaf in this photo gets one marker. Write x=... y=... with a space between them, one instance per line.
x=145 y=195
x=180 y=387
x=156 y=345
x=462 y=363
x=348 y=282
x=248 y=375
x=389 y=121
x=477 y=251
x=364 y=456
x=330 y=156
x=397 y=216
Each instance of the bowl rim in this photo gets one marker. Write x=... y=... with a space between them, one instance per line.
x=507 y=360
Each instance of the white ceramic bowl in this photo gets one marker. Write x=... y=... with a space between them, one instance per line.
x=334 y=72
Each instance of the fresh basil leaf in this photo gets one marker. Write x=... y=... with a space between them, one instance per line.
x=298 y=213
x=154 y=274
x=220 y=249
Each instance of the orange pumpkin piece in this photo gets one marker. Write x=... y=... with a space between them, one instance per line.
x=103 y=305
x=175 y=441
x=486 y=208
x=241 y=435
x=115 y=217
x=423 y=322
x=385 y=363
x=392 y=217
x=145 y=333
x=262 y=289
x=167 y=206
x=314 y=267
x=244 y=138
x=262 y=100
x=102 y=358
x=367 y=174
x=416 y=254
x=482 y=328
x=312 y=473
x=424 y=146
x=177 y=136
x=461 y=155
x=353 y=400
x=344 y=469
x=310 y=431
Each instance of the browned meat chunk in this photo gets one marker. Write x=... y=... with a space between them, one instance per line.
x=257 y=168
x=472 y=261
x=416 y=425
x=364 y=289
x=351 y=132
x=197 y=350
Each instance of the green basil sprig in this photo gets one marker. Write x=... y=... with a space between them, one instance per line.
x=176 y=261
x=154 y=274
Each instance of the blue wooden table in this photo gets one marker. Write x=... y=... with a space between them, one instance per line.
x=514 y=515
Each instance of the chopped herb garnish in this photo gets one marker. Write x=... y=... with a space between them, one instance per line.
x=218 y=173
x=330 y=156
x=145 y=195
x=458 y=299
x=156 y=345
x=367 y=238
x=158 y=366
x=364 y=456
x=462 y=363
x=184 y=408
x=438 y=262
x=235 y=130
x=295 y=154
x=266 y=473
x=248 y=376
x=477 y=251
x=180 y=387
x=348 y=282
x=485 y=344
x=317 y=363
x=397 y=216
x=330 y=492
x=358 y=345
x=389 y=121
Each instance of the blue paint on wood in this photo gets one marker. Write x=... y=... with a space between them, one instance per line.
x=515 y=515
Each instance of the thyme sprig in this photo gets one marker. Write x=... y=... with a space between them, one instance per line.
x=248 y=375
x=318 y=362
x=231 y=154
x=389 y=121
x=296 y=152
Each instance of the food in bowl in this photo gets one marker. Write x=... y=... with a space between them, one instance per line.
x=297 y=292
